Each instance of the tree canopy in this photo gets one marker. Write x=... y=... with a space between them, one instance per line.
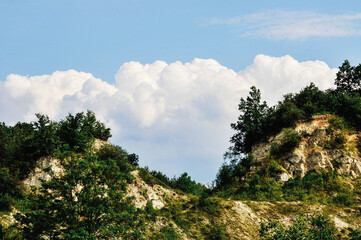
x=348 y=79
x=85 y=202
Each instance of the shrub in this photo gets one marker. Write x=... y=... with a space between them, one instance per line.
x=116 y=153
x=355 y=234
x=5 y=202
x=317 y=227
x=289 y=141
x=209 y=205
x=215 y=232
x=187 y=185
x=344 y=199
x=169 y=233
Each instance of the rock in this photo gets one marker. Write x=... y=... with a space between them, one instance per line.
x=311 y=153
x=296 y=156
x=284 y=177
x=286 y=165
x=45 y=162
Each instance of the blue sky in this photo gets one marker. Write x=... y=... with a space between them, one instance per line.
x=88 y=50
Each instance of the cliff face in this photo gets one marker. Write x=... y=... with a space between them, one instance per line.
x=317 y=149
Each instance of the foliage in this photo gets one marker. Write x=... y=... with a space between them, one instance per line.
x=337 y=132
x=231 y=173
x=133 y=159
x=348 y=78
x=289 y=141
x=257 y=122
x=85 y=202
x=183 y=182
x=118 y=154
x=317 y=227
x=77 y=130
x=148 y=178
x=355 y=234
x=23 y=144
x=317 y=187
x=169 y=233
x=215 y=232
x=187 y=185
x=162 y=178
x=210 y=205
x=249 y=125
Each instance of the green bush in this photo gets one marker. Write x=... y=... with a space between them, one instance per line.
x=169 y=233
x=290 y=140
x=355 y=234
x=118 y=154
x=187 y=185
x=215 y=232
x=209 y=205
x=6 y=202
x=344 y=199
x=317 y=227
x=164 y=179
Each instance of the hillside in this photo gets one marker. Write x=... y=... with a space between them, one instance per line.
x=167 y=212
x=293 y=171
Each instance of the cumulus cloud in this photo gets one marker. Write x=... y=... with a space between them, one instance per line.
x=280 y=24
x=175 y=116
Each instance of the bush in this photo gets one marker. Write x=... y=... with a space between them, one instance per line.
x=5 y=202
x=344 y=199
x=162 y=178
x=209 y=205
x=317 y=227
x=290 y=140
x=169 y=233
x=187 y=185
x=215 y=232
x=355 y=234
x=133 y=159
x=116 y=153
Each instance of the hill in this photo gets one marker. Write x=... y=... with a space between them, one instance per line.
x=163 y=211
x=293 y=171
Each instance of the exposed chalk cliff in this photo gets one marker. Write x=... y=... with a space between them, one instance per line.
x=314 y=152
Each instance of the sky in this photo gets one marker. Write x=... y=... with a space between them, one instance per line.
x=167 y=76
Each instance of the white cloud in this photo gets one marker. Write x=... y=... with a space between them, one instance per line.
x=280 y=24
x=175 y=116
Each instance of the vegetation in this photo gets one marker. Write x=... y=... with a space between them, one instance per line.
x=241 y=177
x=183 y=182
x=87 y=200
x=257 y=120
x=290 y=140
x=317 y=227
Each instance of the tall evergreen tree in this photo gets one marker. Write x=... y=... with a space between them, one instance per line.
x=249 y=125
x=348 y=79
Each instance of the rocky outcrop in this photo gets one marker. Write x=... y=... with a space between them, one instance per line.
x=312 y=154
x=38 y=174
x=143 y=193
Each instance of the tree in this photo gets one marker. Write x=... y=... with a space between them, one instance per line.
x=86 y=201
x=348 y=79
x=44 y=137
x=76 y=130
x=249 y=125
